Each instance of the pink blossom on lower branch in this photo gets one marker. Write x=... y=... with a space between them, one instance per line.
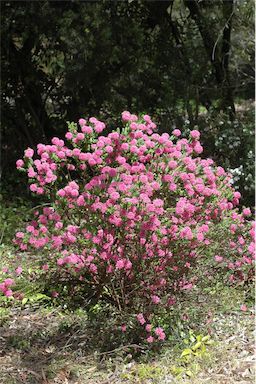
x=160 y=333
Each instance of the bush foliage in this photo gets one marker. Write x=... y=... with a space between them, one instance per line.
x=132 y=218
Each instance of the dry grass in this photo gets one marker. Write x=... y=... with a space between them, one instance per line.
x=37 y=347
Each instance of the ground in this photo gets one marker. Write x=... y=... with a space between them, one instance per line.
x=43 y=344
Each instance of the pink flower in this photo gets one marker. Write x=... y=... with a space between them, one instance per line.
x=87 y=129
x=147 y=118
x=141 y=319
x=123 y=328
x=19 y=163
x=150 y=339
x=148 y=327
x=176 y=132
x=8 y=293
x=80 y=136
x=99 y=127
x=171 y=301
x=114 y=195
x=120 y=264
x=8 y=282
x=158 y=202
x=80 y=201
x=68 y=135
x=20 y=235
x=109 y=149
x=74 y=193
x=29 y=153
x=160 y=333
x=121 y=160
x=133 y=118
x=172 y=187
x=82 y=122
x=186 y=233
x=243 y=308
x=30 y=228
x=155 y=299
x=31 y=172
x=125 y=146
x=195 y=134
x=134 y=149
x=218 y=258
x=60 y=261
x=200 y=236
x=61 y=193
x=59 y=225
x=172 y=164
x=247 y=212
x=198 y=148
x=237 y=195
x=188 y=286
x=18 y=271
x=128 y=265
x=126 y=116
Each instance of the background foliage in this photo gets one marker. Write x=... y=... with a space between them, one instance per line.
x=187 y=62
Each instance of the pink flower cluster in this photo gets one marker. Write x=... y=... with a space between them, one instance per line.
x=5 y=287
x=132 y=212
x=157 y=335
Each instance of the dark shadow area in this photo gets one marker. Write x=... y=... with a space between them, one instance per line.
x=186 y=63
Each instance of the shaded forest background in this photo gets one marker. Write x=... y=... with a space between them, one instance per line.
x=188 y=63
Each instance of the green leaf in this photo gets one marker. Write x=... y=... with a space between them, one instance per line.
x=186 y=352
x=197 y=345
x=24 y=301
x=206 y=338
x=40 y=296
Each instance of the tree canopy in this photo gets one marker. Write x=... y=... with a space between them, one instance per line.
x=173 y=59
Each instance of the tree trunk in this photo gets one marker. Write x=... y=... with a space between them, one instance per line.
x=219 y=59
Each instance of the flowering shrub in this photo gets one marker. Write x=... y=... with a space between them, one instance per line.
x=131 y=214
